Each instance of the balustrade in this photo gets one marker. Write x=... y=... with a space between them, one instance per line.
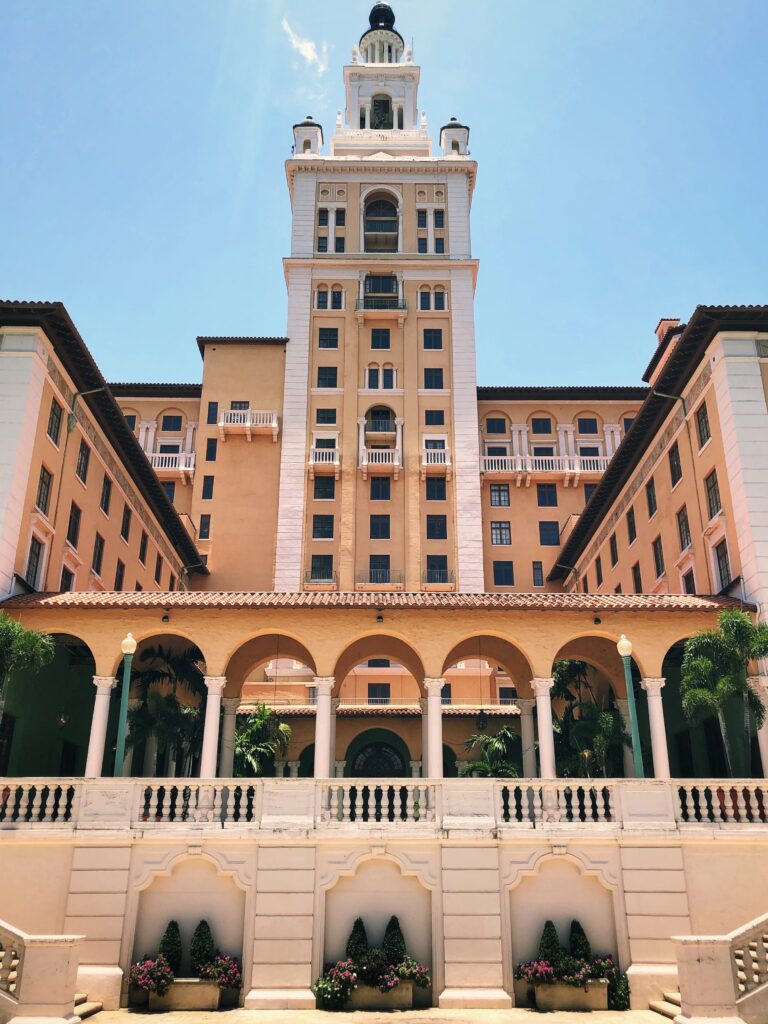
x=727 y=801
x=368 y=802
x=568 y=802
x=11 y=958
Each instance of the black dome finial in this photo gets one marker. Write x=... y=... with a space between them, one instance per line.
x=381 y=16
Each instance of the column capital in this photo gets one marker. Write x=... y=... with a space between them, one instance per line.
x=542 y=685
x=230 y=705
x=434 y=684
x=104 y=684
x=215 y=684
x=526 y=705
x=324 y=684
x=651 y=685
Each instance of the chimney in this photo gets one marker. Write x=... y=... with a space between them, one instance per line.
x=665 y=324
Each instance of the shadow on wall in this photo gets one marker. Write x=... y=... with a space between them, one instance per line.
x=193 y=891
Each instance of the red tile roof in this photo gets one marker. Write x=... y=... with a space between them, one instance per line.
x=349 y=599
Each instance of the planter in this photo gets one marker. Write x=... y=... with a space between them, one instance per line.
x=187 y=994
x=568 y=997
x=230 y=997
x=366 y=997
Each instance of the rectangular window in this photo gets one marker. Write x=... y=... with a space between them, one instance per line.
x=379 y=527
x=388 y=378
x=723 y=564
x=119 y=575
x=205 y=526
x=328 y=337
x=439 y=246
x=322 y=243
x=445 y=694
x=689 y=583
x=658 y=557
x=378 y=693
x=325 y=416
x=541 y=451
x=702 y=424
x=322 y=527
x=675 y=468
x=433 y=338
x=125 y=525
x=589 y=490
x=437 y=527
x=629 y=420
x=54 y=421
x=614 y=549
x=327 y=376
x=437 y=569
x=500 y=495
x=439 y=300
x=98 y=554
x=337 y=298
x=683 y=528
x=439 y=219
x=541 y=425
x=434 y=418
x=650 y=497
x=379 y=569
x=714 y=505
x=495 y=425
x=338 y=243
x=421 y=219
x=433 y=378
x=322 y=298
x=131 y=421
x=158 y=568
x=380 y=338
x=637 y=579
x=549 y=534
x=584 y=585
x=171 y=582
x=503 y=574
x=44 y=490
x=379 y=663
x=143 y=547
x=373 y=378
x=34 y=561
x=546 y=495
x=586 y=425
x=421 y=244
x=207 y=488
x=436 y=488
x=67 y=583
x=322 y=218
x=83 y=461
x=341 y=218
x=73 y=526
x=538 y=574
x=588 y=451
x=169 y=486
x=213 y=413
x=599 y=570
x=106 y=495
x=424 y=299
x=631 y=525
x=211 y=449
x=325 y=488
x=500 y=532
x=507 y=695
x=381 y=488
x=171 y=423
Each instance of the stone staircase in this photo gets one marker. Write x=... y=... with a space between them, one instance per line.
x=668 y=1006
x=85 y=1007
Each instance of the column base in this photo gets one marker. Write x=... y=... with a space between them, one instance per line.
x=280 y=999
x=474 y=999
x=648 y=982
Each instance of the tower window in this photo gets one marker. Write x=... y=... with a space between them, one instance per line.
x=381 y=225
x=381 y=113
x=322 y=218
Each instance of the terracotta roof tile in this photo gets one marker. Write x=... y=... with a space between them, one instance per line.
x=350 y=599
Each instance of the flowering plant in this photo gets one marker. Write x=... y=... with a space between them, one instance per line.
x=224 y=970
x=388 y=979
x=152 y=975
x=334 y=987
x=411 y=970
x=533 y=971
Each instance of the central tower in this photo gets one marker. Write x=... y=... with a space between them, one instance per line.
x=379 y=479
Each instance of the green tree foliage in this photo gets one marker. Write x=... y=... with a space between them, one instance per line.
x=201 y=949
x=578 y=942
x=394 y=942
x=21 y=649
x=499 y=754
x=590 y=735
x=549 y=944
x=170 y=946
x=260 y=738
x=357 y=943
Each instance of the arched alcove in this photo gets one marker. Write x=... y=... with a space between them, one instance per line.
x=377 y=754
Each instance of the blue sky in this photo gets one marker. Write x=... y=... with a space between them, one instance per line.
x=621 y=143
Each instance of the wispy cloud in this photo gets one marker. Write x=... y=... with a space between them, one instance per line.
x=315 y=56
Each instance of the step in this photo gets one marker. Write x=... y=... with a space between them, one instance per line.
x=672 y=997
x=668 y=1010
x=80 y=997
x=87 y=1009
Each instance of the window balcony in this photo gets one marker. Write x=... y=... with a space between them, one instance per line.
x=380 y=579
x=567 y=467
x=436 y=580
x=381 y=461
x=435 y=462
x=173 y=465
x=324 y=462
x=380 y=307
x=250 y=422
x=321 y=581
x=379 y=425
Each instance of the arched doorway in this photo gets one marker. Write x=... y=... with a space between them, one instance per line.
x=377 y=754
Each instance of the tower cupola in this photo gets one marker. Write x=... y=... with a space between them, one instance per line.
x=381 y=43
x=307 y=137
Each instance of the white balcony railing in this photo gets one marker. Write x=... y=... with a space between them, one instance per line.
x=248 y=422
x=324 y=460
x=387 y=460
x=564 y=465
x=181 y=462
x=435 y=461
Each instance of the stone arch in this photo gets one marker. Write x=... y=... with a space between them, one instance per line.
x=258 y=650
x=170 y=637
x=386 y=747
x=598 y=647
x=378 y=645
x=493 y=647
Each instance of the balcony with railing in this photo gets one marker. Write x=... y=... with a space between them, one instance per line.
x=324 y=462
x=173 y=465
x=435 y=462
x=438 y=580
x=381 y=461
x=569 y=467
x=248 y=422
x=321 y=580
x=379 y=579
x=380 y=425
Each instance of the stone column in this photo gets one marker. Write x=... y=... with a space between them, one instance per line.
x=434 y=727
x=340 y=766
x=324 y=685
x=134 y=703
x=399 y=439
x=760 y=685
x=331 y=228
x=424 y=737
x=332 y=755
x=415 y=769
x=542 y=688
x=150 y=438
x=279 y=769
x=653 y=688
x=430 y=230
x=293 y=769
x=227 y=755
x=210 y=750
x=629 y=760
x=99 y=721
x=189 y=439
x=528 y=736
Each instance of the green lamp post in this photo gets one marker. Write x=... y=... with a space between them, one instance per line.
x=624 y=647
x=128 y=647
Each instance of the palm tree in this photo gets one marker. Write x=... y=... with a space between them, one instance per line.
x=499 y=754
x=714 y=672
x=259 y=739
x=599 y=735
x=587 y=732
x=21 y=649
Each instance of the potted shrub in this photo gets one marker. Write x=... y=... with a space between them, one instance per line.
x=150 y=977
x=227 y=973
x=335 y=986
x=217 y=977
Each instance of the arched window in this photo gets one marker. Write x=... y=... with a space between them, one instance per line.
x=455 y=147
x=439 y=298
x=381 y=225
x=381 y=112
x=307 y=145
x=425 y=298
x=337 y=297
x=380 y=420
x=322 y=297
